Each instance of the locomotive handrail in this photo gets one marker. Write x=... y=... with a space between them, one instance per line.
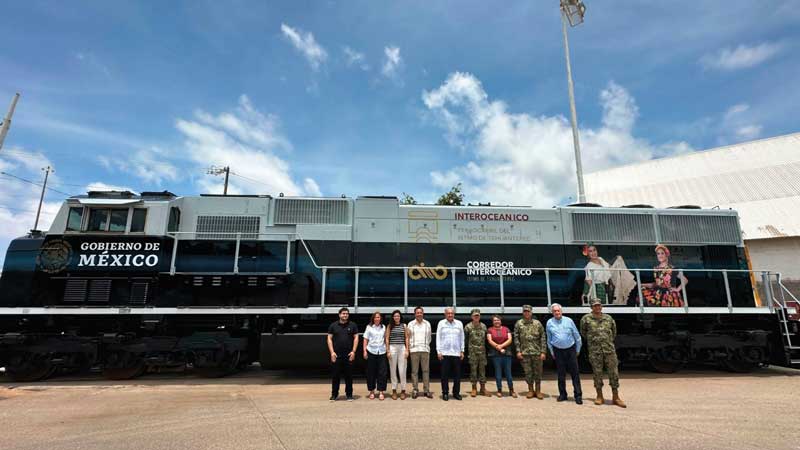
x=290 y=236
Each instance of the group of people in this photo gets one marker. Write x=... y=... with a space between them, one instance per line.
x=390 y=347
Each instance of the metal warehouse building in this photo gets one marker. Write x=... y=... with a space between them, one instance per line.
x=760 y=179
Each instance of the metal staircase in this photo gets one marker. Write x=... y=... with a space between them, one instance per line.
x=788 y=310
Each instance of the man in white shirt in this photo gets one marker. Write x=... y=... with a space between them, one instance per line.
x=419 y=341
x=450 y=349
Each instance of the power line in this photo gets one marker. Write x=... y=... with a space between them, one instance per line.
x=250 y=179
x=34 y=183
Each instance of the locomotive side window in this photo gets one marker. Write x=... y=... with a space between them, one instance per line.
x=75 y=219
x=138 y=220
x=119 y=220
x=98 y=220
x=174 y=220
x=107 y=220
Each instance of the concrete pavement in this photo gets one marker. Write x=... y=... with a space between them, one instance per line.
x=702 y=409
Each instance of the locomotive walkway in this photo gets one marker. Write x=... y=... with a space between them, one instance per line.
x=695 y=409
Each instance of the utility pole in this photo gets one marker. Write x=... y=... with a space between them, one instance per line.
x=573 y=11
x=213 y=170
x=47 y=171
x=6 y=124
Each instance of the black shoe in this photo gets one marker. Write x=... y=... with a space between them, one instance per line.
x=445 y=397
x=578 y=400
x=349 y=398
x=457 y=396
x=561 y=398
x=414 y=395
x=333 y=398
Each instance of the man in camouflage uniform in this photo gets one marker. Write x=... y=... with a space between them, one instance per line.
x=531 y=342
x=475 y=336
x=599 y=331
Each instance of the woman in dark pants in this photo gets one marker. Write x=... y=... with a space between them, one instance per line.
x=500 y=338
x=375 y=354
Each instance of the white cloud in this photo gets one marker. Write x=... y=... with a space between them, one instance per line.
x=311 y=187
x=151 y=165
x=245 y=140
x=355 y=58
x=741 y=57
x=306 y=44
x=100 y=186
x=738 y=124
x=391 y=62
x=517 y=158
x=749 y=132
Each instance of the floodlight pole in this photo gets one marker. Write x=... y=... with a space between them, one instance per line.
x=47 y=171
x=573 y=114
x=6 y=124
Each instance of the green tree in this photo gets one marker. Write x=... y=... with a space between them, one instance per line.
x=407 y=199
x=452 y=198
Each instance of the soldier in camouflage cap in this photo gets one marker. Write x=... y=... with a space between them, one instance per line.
x=475 y=336
x=599 y=331
x=530 y=339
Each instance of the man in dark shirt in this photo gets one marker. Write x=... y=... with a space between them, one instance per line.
x=342 y=345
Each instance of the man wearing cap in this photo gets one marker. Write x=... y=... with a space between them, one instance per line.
x=475 y=335
x=600 y=330
x=531 y=342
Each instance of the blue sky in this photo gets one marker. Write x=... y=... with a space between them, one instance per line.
x=376 y=97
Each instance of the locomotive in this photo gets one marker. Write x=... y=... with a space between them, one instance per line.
x=135 y=282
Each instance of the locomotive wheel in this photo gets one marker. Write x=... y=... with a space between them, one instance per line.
x=664 y=366
x=736 y=365
x=124 y=373
x=133 y=367
x=229 y=365
x=33 y=368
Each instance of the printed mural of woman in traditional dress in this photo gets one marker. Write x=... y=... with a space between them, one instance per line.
x=665 y=290
x=603 y=280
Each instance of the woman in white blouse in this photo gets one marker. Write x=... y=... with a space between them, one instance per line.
x=375 y=354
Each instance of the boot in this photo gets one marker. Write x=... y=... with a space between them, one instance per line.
x=599 y=400
x=474 y=391
x=483 y=391
x=539 y=393
x=394 y=394
x=512 y=393
x=616 y=400
x=530 y=393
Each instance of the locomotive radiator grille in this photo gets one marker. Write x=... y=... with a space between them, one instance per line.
x=99 y=291
x=75 y=291
x=686 y=229
x=139 y=292
x=291 y=211
x=226 y=227
x=614 y=227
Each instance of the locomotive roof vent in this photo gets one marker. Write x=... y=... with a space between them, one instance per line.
x=637 y=205
x=586 y=205
x=111 y=194
x=685 y=207
x=162 y=194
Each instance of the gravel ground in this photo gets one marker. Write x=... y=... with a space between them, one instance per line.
x=698 y=409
